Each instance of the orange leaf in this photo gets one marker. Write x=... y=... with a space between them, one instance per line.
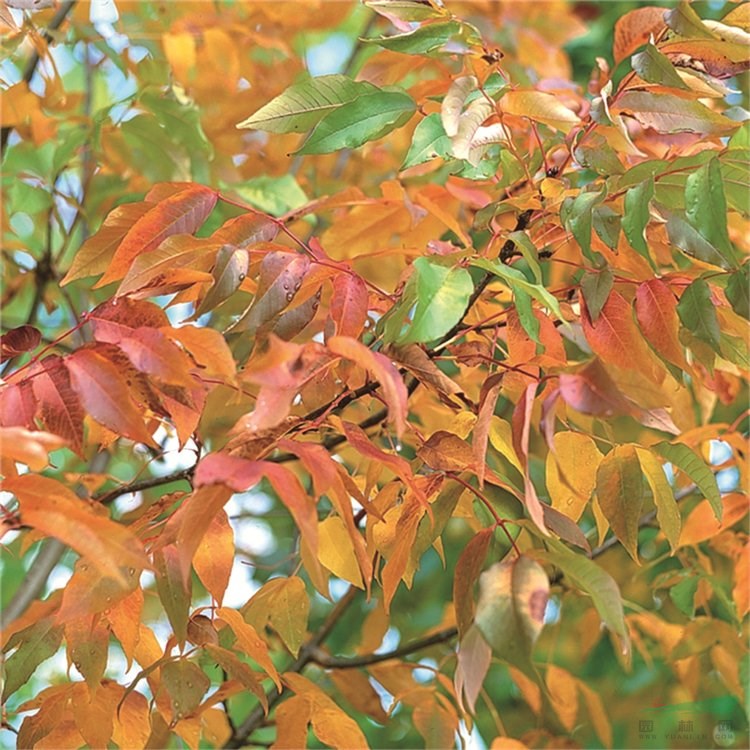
x=381 y=368
x=468 y=567
x=349 y=303
x=635 y=28
x=615 y=338
x=95 y=254
x=656 y=311
x=180 y=213
x=151 y=352
x=249 y=641
x=54 y=510
x=214 y=557
x=31 y=448
x=701 y=524
x=105 y=395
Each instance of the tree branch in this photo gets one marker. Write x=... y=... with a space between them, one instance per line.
x=256 y=717
x=350 y=662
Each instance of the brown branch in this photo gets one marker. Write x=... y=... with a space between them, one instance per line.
x=351 y=662
x=57 y=20
x=305 y=657
x=108 y=497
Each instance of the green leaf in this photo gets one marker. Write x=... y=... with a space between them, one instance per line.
x=304 y=104
x=706 y=207
x=587 y=576
x=698 y=313
x=274 y=195
x=735 y=349
x=35 y=645
x=686 y=22
x=526 y=316
x=516 y=280
x=688 y=239
x=365 y=118
x=637 y=215
x=687 y=460
x=607 y=225
x=405 y=10
x=654 y=67
x=683 y=594
x=528 y=250
x=442 y=294
x=667 y=512
x=428 y=142
x=578 y=219
x=174 y=592
x=427 y=38
x=185 y=683
x=510 y=610
x=619 y=488
x=735 y=165
x=596 y=288
x=738 y=291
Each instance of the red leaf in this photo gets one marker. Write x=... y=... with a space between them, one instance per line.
x=105 y=395
x=615 y=337
x=181 y=213
x=349 y=303
x=592 y=391
x=656 y=311
x=244 y=230
x=116 y=318
x=151 y=352
x=240 y=475
x=382 y=369
x=487 y=401
x=17 y=404
x=18 y=341
x=59 y=407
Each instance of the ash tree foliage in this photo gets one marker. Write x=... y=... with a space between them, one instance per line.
x=373 y=374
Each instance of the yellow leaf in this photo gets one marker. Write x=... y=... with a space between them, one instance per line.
x=214 y=557
x=563 y=694
x=571 y=472
x=501 y=438
x=336 y=551
x=541 y=107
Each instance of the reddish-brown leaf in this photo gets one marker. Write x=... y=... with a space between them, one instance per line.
x=656 y=311
x=468 y=567
x=105 y=395
x=592 y=391
x=445 y=451
x=635 y=28
x=245 y=230
x=116 y=318
x=487 y=401
x=59 y=406
x=154 y=354
x=182 y=212
x=19 y=341
x=349 y=303
x=382 y=369
x=281 y=275
x=17 y=404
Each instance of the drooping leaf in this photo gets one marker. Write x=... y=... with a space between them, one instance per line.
x=619 y=488
x=571 y=472
x=174 y=589
x=738 y=291
x=698 y=313
x=667 y=512
x=656 y=312
x=185 y=683
x=35 y=644
x=473 y=663
x=214 y=557
x=19 y=341
x=706 y=207
x=637 y=215
x=349 y=303
x=596 y=288
x=591 y=578
x=510 y=610
x=468 y=567
x=687 y=460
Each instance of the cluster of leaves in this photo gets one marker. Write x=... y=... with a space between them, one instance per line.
x=482 y=375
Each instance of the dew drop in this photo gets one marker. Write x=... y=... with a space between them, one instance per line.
x=298 y=284
x=399 y=447
x=289 y=296
x=241 y=277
